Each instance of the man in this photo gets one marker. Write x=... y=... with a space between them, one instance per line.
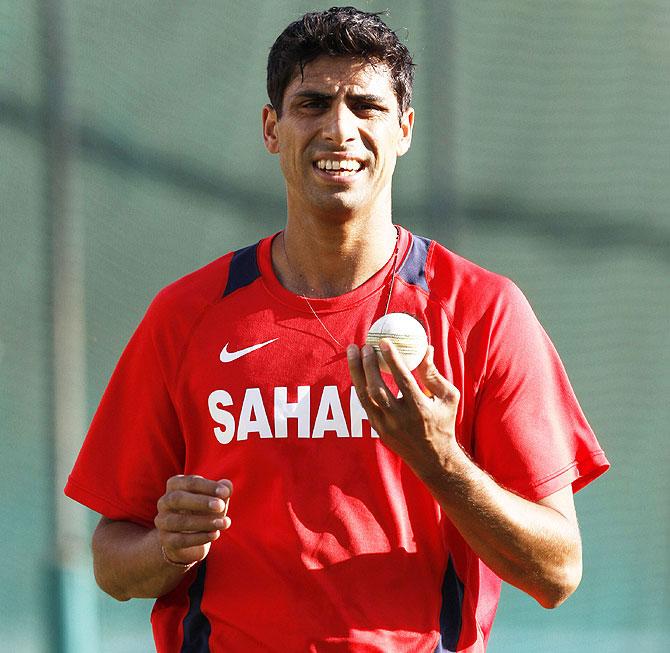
x=371 y=512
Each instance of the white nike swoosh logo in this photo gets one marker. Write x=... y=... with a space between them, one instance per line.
x=228 y=356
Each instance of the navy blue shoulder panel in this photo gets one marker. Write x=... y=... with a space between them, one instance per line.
x=243 y=269
x=451 y=613
x=413 y=270
x=197 y=628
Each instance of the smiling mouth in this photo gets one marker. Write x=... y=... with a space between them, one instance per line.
x=343 y=168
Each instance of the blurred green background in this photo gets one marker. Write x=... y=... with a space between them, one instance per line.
x=131 y=153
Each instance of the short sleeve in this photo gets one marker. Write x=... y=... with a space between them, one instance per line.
x=134 y=443
x=531 y=434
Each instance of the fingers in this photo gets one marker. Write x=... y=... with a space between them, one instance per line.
x=376 y=387
x=403 y=377
x=191 y=515
x=176 y=543
x=434 y=382
x=371 y=387
x=199 y=485
x=196 y=494
x=359 y=370
x=176 y=522
x=186 y=548
x=194 y=505
x=369 y=383
x=180 y=501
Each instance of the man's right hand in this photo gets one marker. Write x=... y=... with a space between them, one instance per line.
x=191 y=515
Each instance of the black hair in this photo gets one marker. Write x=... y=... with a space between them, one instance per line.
x=339 y=32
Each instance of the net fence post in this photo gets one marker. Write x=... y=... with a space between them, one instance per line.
x=72 y=603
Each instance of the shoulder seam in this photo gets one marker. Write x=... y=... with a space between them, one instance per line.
x=440 y=302
x=189 y=337
x=171 y=384
x=450 y=319
x=429 y=259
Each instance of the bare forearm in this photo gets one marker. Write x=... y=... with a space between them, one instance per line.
x=128 y=562
x=131 y=561
x=532 y=546
x=535 y=546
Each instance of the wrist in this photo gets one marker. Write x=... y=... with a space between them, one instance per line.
x=184 y=566
x=446 y=466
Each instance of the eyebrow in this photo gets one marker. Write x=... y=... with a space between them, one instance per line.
x=316 y=95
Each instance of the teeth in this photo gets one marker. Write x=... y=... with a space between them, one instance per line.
x=349 y=165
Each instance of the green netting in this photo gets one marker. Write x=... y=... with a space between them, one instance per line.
x=606 y=311
x=19 y=52
x=562 y=105
x=541 y=151
x=25 y=481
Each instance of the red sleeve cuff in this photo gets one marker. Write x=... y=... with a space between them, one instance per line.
x=105 y=506
x=578 y=473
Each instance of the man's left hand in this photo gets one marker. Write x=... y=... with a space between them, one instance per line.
x=419 y=425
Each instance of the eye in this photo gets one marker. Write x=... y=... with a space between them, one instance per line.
x=367 y=108
x=315 y=104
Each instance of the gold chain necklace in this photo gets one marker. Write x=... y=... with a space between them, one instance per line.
x=394 y=269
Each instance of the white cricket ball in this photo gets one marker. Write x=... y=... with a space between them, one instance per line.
x=405 y=332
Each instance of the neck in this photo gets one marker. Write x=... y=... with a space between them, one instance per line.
x=326 y=260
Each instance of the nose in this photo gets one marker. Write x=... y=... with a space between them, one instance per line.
x=341 y=125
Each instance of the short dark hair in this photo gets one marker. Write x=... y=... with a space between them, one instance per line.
x=339 y=32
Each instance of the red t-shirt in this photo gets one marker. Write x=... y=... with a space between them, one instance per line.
x=335 y=544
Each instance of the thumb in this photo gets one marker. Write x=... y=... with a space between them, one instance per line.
x=434 y=382
x=225 y=491
x=225 y=483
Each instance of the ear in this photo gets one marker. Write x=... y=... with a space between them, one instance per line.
x=270 y=135
x=406 y=126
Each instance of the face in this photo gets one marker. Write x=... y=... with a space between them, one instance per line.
x=339 y=137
